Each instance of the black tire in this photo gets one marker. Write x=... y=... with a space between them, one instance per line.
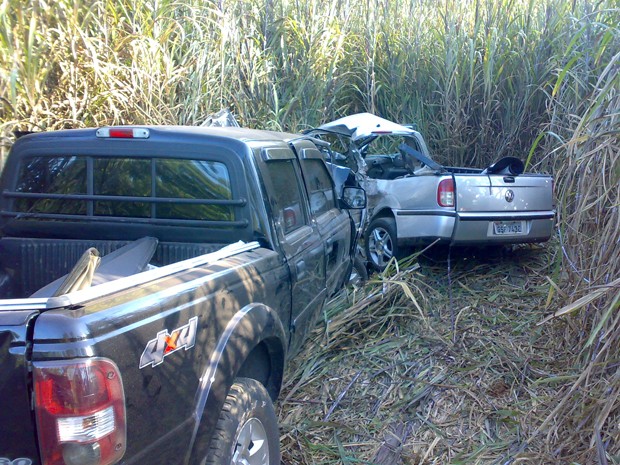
x=381 y=243
x=247 y=428
x=359 y=273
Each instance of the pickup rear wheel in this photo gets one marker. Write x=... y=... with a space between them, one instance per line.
x=381 y=243
x=247 y=429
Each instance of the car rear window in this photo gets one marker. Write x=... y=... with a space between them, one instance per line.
x=158 y=188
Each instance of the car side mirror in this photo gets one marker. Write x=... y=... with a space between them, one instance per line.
x=353 y=198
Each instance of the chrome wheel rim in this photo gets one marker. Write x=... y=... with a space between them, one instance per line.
x=251 y=444
x=380 y=246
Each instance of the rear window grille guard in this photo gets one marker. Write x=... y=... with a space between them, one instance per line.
x=239 y=224
x=126 y=198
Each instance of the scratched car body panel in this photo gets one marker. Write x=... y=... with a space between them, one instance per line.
x=159 y=256
x=425 y=201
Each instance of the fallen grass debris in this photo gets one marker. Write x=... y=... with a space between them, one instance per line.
x=388 y=378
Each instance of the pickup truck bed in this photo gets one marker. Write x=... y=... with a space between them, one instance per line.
x=119 y=319
x=29 y=264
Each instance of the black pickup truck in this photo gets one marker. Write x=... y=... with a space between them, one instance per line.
x=153 y=283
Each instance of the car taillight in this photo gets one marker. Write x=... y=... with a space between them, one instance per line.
x=80 y=412
x=445 y=193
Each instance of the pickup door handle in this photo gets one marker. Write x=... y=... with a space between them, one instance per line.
x=509 y=179
x=300 y=267
x=329 y=246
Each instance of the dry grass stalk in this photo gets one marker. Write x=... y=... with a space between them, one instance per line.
x=381 y=381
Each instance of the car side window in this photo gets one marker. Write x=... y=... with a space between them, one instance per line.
x=286 y=199
x=320 y=186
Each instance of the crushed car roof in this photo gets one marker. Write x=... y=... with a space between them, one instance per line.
x=363 y=125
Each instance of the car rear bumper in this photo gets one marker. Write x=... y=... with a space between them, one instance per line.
x=476 y=228
x=463 y=228
x=415 y=227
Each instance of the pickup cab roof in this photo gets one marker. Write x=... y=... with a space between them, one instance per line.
x=232 y=133
x=362 y=129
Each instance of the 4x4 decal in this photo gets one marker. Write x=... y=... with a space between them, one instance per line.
x=165 y=344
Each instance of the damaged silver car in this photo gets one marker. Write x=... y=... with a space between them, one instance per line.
x=413 y=200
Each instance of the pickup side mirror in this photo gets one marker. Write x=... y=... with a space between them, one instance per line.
x=353 y=198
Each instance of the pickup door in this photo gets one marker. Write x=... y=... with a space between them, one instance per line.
x=314 y=234
x=498 y=207
x=303 y=247
x=333 y=224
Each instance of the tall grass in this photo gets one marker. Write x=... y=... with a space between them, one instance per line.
x=537 y=79
x=589 y=218
x=475 y=76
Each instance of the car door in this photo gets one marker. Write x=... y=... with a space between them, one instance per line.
x=334 y=225
x=299 y=238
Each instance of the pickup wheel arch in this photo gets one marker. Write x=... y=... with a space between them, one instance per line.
x=265 y=365
x=252 y=345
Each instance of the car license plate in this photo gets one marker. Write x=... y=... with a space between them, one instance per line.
x=508 y=228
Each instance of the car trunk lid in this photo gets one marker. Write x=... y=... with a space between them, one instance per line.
x=499 y=193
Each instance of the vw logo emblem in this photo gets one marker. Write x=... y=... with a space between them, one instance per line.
x=510 y=196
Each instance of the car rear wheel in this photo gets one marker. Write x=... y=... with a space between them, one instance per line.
x=247 y=429
x=381 y=243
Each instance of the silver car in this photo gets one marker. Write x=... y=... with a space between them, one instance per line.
x=413 y=200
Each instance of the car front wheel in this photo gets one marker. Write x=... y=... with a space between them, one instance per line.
x=381 y=244
x=247 y=429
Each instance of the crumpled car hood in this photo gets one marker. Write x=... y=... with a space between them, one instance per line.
x=363 y=125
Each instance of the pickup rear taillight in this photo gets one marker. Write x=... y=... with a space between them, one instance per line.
x=445 y=193
x=80 y=412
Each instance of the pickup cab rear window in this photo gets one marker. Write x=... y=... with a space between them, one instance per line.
x=126 y=187
x=56 y=176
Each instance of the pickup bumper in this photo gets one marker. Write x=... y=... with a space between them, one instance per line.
x=464 y=228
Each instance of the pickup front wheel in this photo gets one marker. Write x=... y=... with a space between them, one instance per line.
x=381 y=243
x=247 y=429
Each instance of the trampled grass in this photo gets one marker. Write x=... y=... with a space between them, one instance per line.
x=469 y=377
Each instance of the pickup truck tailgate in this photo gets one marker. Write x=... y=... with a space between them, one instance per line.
x=17 y=432
x=497 y=193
